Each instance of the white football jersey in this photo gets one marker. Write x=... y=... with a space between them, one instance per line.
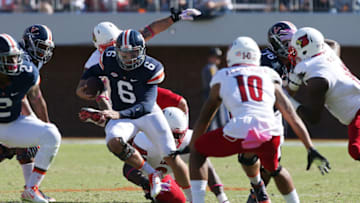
x=93 y=60
x=152 y=154
x=343 y=96
x=248 y=93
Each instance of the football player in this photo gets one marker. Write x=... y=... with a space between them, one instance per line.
x=178 y=123
x=37 y=45
x=276 y=57
x=106 y=33
x=19 y=78
x=249 y=91
x=133 y=78
x=328 y=82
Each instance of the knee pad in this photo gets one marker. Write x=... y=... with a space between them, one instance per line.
x=6 y=153
x=354 y=152
x=127 y=150
x=248 y=162
x=26 y=155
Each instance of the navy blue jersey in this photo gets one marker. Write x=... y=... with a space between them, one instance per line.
x=134 y=92
x=269 y=58
x=12 y=94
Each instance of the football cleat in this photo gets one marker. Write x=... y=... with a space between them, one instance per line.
x=91 y=115
x=49 y=199
x=252 y=197
x=33 y=195
x=155 y=184
x=260 y=193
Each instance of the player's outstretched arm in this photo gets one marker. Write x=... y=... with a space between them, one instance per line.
x=38 y=103
x=163 y=24
x=207 y=113
x=284 y=105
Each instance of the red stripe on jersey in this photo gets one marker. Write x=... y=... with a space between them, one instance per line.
x=156 y=78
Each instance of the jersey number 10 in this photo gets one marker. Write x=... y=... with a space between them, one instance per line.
x=253 y=84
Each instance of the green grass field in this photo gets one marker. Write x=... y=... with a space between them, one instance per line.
x=89 y=173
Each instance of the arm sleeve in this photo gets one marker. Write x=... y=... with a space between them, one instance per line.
x=167 y=98
x=93 y=71
x=143 y=107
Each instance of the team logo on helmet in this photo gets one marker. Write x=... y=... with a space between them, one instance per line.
x=302 y=41
x=34 y=30
x=277 y=29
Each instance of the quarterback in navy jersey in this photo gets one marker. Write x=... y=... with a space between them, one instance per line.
x=19 y=78
x=133 y=78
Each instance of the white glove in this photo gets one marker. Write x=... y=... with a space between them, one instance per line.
x=189 y=14
x=294 y=81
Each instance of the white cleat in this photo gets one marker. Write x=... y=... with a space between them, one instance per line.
x=33 y=195
x=155 y=184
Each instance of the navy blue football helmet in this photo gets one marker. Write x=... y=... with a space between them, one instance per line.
x=130 y=49
x=10 y=55
x=279 y=37
x=38 y=42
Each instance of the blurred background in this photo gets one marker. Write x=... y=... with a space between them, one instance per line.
x=183 y=49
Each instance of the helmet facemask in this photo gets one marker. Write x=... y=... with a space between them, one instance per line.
x=40 y=50
x=130 y=58
x=9 y=62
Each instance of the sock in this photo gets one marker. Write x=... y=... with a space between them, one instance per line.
x=146 y=168
x=198 y=190
x=255 y=179
x=187 y=192
x=292 y=197
x=222 y=198
x=36 y=177
x=27 y=171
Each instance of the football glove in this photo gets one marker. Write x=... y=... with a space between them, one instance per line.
x=294 y=81
x=321 y=162
x=187 y=14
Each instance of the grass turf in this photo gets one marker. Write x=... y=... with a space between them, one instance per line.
x=89 y=173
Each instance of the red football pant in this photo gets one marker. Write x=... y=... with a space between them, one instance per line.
x=216 y=144
x=354 y=137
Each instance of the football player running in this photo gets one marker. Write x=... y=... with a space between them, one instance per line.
x=19 y=78
x=133 y=78
x=328 y=82
x=105 y=35
x=249 y=92
x=37 y=46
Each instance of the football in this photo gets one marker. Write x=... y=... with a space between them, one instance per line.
x=95 y=86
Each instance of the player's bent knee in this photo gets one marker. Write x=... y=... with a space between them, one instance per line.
x=120 y=148
x=247 y=161
x=274 y=173
x=26 y=155
x=354 y=152
x=53 y=136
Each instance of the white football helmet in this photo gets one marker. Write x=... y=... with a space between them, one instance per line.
x=306 y=43
x=243 y=50
x=177 y=120
x=104 y=35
